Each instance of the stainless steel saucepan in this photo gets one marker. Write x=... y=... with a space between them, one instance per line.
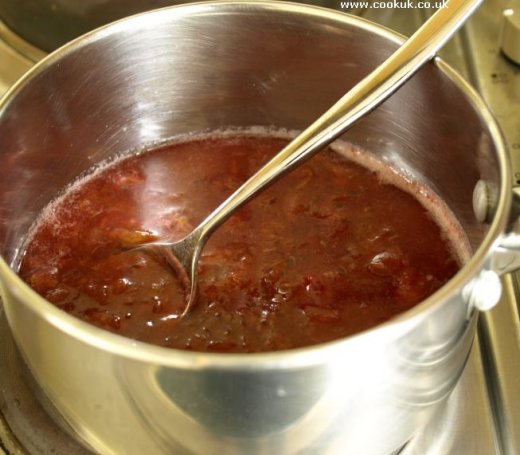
x=213 y=65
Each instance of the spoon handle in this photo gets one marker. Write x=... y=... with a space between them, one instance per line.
x=361 y=99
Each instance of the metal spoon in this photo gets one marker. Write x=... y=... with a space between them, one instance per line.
x=183 y=255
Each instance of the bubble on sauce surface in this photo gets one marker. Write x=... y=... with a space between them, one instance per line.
x=387 y=263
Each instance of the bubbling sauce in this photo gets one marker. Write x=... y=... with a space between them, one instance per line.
x=330 y=250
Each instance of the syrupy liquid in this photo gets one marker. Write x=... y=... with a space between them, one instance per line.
x=328 y=251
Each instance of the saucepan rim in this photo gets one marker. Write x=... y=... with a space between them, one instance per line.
x=293 y=358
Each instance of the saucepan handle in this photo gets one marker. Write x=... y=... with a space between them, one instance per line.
x=484 y=291
x=506 y=255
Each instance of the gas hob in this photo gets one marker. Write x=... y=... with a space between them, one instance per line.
x=482 y=416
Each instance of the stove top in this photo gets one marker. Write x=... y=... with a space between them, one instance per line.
x=16 y=57
x=482 y=416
